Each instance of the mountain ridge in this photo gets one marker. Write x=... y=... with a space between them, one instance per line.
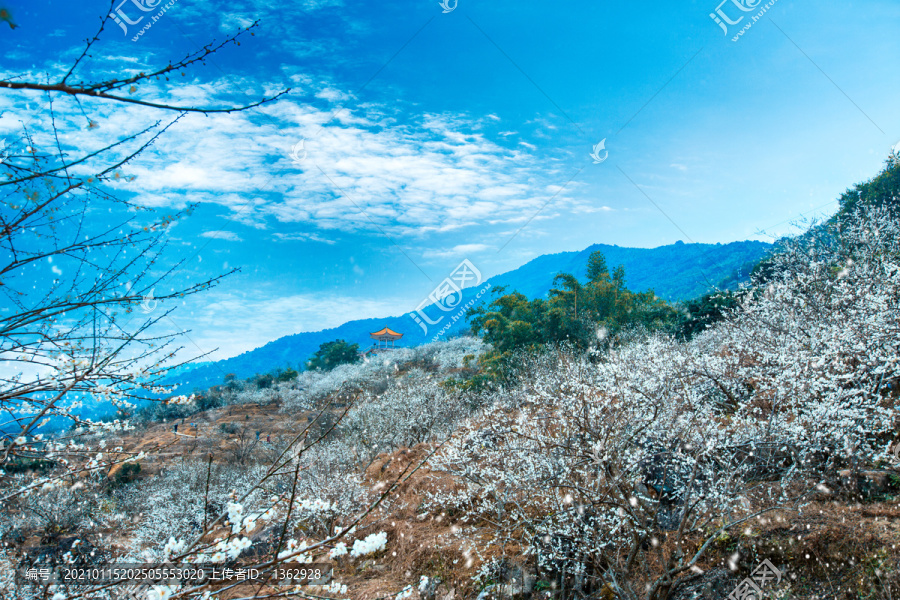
x=675 y=272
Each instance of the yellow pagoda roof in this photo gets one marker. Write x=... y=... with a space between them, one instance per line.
x=386 y=333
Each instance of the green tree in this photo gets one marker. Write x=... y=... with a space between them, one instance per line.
x=331 y=354
x=704 y=311
x=585 y=315
x=881 y=190
x=588 y=314
x=264 y=381
x=596 y=267
x=286 y=374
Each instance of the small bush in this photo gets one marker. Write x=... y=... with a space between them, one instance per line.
x=264 y=381
x=128 y=473
x=331 y=354
x=228 y=428
x=286 y=375
x=209 y=402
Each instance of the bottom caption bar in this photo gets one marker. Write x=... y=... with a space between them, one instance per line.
x=283 y=574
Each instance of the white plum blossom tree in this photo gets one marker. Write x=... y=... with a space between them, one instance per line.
x=620 y=472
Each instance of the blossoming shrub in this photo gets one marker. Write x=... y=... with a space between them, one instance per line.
x=374 y=374
x=328 y=490
x=620 y=472
x=178 y=502
x=417 y=408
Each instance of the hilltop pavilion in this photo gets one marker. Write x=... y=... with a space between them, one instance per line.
x=385 y=336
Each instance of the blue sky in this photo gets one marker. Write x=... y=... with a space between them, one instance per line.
x=431 y=137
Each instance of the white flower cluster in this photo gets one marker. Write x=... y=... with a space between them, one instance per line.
x=373 y=373
x=416 y=409
x=175 y=504
x=329 y=488
x=224 y=550
x=372 y=544
x=335 y=587
x=161 y=592
x=235 y=516
x=340 y=549
x=96 y=427
x=181 y=399
x=294 y=551
x=173 y=546
x=315 y=506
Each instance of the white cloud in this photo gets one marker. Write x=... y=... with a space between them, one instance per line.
x=461 y=250
x=330 y=94
x=301 y=237
x=410 y=175
x=221 y=235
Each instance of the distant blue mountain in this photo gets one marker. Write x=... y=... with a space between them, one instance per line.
x=676 y=272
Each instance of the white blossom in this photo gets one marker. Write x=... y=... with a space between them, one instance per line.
x=371 y=544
